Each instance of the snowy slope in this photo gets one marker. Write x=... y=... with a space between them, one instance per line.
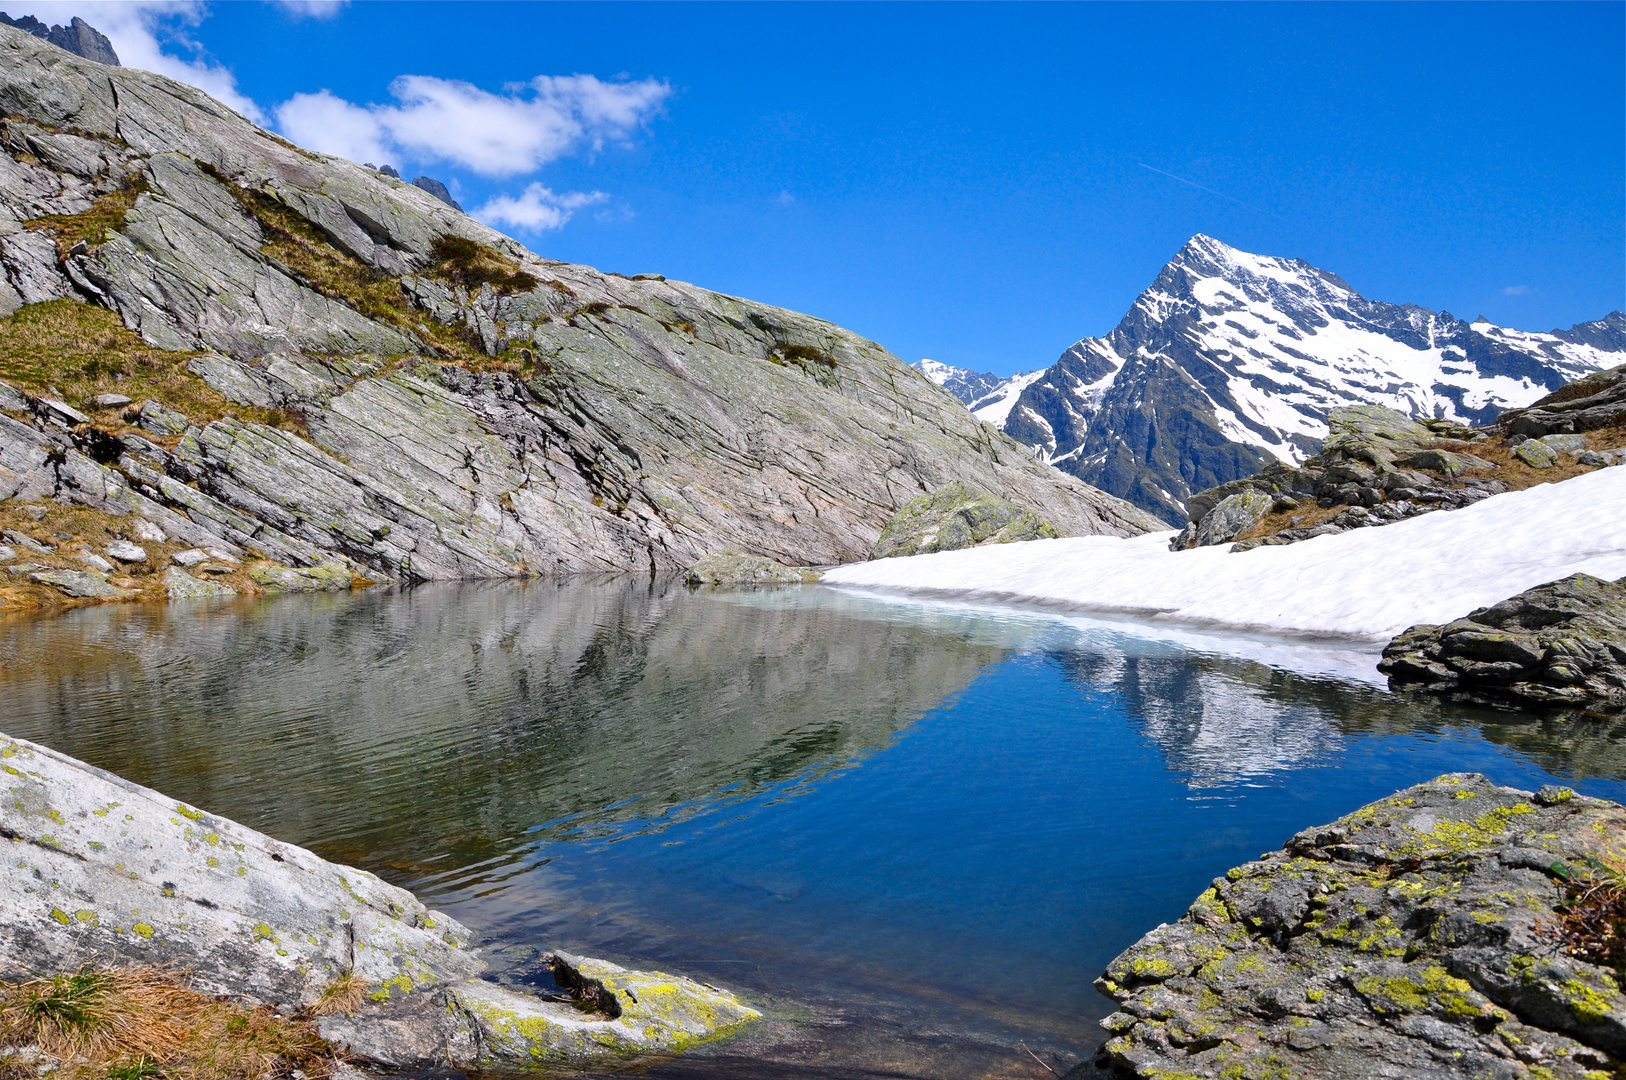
x=1230 y=360
x=1370 y=583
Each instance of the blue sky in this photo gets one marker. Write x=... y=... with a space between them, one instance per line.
x=968 y=182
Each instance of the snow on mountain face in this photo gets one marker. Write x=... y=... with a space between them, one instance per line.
x=1230 y=360
x=989 y=397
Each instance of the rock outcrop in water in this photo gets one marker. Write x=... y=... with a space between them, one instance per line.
x=98 y=869
x=1557 y=646
x=386 y=384
x=1442 y=932
x=736 y=568
x=956 y=516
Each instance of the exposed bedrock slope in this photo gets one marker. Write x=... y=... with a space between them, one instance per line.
x=472 y=410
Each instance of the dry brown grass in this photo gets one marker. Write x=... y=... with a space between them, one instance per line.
x=344 y=994
x=1510 y=471
x=1592 y=919
x=91 y=226
x=76 y=351
x=116 y=1023
x=470 y=264
x=72 y=529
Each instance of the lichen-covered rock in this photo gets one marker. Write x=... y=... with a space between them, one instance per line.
x=659 y=1014
x=99 y=870
x=1557 y=646
x=1233 y=516
x=957 y=516
x=325 y=577
x=1536 y=454
x=737 y=568
x=1417 y=936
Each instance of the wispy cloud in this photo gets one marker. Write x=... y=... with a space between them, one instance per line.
x=141 y=29
x=539 y=209
x=1211 y=191
x=1516 y=290
x=312 y=9
x=507 y=134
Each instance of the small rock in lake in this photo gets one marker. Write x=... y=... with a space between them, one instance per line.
x=183 y=586
x=738 y=568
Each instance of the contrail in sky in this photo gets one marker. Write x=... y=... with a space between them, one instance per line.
x=1211 y=191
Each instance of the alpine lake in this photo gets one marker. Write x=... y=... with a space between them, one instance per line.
x=911 y=832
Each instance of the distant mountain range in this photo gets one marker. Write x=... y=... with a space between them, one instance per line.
x=1230 y=360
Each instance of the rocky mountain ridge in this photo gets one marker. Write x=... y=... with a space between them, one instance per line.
x=1230 y=361
x=446 y=403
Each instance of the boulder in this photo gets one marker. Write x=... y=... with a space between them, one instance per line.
x=1423 y=935
x=1233 y=516
x=957 y=516
x=80 y=584
x=100 y=870
x=1536 y=454
x=1557 y=646
x=737 y=568
x=1597 y=401
x=326 y=577
x=1444 y=462
x=126 y=552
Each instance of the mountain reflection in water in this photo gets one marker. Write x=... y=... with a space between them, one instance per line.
x=913 y=831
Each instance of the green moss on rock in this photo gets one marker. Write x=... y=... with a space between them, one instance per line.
x=957 y=516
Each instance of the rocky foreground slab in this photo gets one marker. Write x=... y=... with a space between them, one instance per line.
x=99 y=870
x=1455 y=929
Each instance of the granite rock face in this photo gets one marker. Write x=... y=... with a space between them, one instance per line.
x=1557 y=646
x=611 y=423
x=957 y=516
x=78 y=37
x=98 y=869
x=1416 y=937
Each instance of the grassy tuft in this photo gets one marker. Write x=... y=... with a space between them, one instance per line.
x=128 y=1023
x=470 y=264
x=344 y=994
x=91 y=226
x=802 y=356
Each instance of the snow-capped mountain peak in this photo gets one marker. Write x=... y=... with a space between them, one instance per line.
x=1230 y=359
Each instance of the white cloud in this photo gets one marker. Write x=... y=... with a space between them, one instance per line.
x=1515 y=290
x=538 y=210
x=507 y=134
x=327 y=123
x=786 y=198
x=312 y=9
x=139 y=30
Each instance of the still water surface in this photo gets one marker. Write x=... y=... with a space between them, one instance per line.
x=913 y=832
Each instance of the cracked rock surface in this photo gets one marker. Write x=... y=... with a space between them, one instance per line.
x=1415 y=937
